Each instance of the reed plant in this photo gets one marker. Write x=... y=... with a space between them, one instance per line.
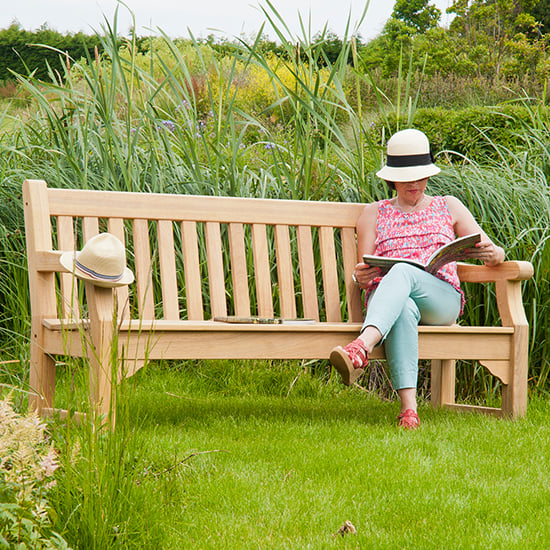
x=175 y=120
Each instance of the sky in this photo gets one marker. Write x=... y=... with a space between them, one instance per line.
x=222 y=18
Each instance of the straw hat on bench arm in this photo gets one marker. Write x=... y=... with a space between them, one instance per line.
x=102 y=261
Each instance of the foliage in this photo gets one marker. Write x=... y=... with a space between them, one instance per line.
x=28 y=462
x=25 y=52
x=473 y=132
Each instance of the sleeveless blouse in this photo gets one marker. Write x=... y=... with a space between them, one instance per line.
x=416 y=235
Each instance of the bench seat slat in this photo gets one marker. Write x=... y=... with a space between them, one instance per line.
x=188 y=340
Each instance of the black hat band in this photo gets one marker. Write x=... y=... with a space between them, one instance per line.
x=405 y=161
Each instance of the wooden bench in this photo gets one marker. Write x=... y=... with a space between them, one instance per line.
x=197 y=257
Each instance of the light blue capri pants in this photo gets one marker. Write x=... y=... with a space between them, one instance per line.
x=406 y=297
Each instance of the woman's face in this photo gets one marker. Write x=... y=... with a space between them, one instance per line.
x=410 y=191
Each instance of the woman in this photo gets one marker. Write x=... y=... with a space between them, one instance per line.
x=413 y=225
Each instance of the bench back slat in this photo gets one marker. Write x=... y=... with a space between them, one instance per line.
x=216 y=274
x=239 y=269
x=285 y=273
x=70 y=304
x=331 y=281
x=262 y=271
x=307 y=272
x=349 y=258
x=192 y=273
x=116 y=227
x=143 y=265
x=167 y=265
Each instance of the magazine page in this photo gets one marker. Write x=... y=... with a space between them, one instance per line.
x=452 y=252
x=385 y=263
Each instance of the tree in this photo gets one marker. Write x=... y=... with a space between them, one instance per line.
x=501 y=35
x=419 y=15
x=23 y=51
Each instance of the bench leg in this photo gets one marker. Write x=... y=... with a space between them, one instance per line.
x=102 y=310
x=42 y=374
x=443 y=378
x=514 y=394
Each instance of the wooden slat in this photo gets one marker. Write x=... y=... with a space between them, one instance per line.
x=79 y=202
x=144 y=279
x=239 y=269
x=353 y=292
x=90 y=228
x=285 y=273
x=193 y=281
x=116 y=227
x=262 y=270
x=216 y=275
x=331 y=284
x=307 y=272
x=167 y=263
x=70 y=306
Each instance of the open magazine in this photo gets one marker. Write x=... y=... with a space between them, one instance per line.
x=263 y=320
x=451 y=252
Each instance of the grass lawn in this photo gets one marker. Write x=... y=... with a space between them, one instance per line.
x=238 y=455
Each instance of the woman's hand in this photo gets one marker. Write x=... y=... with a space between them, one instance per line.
x=488 y=252
x=364 y=275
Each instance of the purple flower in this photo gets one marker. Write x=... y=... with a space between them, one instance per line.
x=169 y=125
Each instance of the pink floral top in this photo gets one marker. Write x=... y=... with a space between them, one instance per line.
x=416 y=235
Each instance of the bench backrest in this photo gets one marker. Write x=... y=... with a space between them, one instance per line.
x=198 y=257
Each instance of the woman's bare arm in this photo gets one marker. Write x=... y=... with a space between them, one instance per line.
x=464 y=223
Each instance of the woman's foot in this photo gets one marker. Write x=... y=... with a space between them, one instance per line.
x=350 y=361
x=408 y=420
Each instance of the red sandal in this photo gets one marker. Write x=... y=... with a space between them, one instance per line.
x=350 y=361
x=408 y=420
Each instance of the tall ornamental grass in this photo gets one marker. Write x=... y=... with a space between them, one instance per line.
x=182 y=118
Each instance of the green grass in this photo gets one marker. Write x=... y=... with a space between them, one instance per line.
x=271 y=455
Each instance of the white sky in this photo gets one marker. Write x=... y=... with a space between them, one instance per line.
x=227 y=18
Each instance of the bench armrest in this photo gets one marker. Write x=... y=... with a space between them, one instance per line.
x=48 y=260
x=507 y=278
x=506 y=271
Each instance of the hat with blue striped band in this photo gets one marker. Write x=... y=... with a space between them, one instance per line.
x=102 y=261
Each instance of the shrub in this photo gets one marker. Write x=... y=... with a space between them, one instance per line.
x=27 y=465
x=472 y=132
